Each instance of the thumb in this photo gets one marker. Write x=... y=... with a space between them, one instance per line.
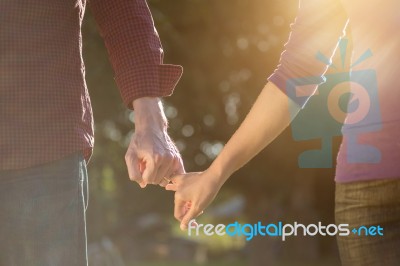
x=142 y=167
x=177 y=178
x=171 y=187
x=135 y=169
x=148 y=172
x=175 y=181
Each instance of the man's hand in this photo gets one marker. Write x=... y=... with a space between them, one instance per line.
x=152 y=157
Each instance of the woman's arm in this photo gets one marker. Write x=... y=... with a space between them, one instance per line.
x=318 y=26
x=269 y=116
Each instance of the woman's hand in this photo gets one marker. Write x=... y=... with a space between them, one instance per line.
x=193 y=193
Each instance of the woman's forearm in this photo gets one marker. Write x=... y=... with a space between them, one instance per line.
x=268 y=117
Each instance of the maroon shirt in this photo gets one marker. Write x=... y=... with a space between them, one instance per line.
x=45 y=107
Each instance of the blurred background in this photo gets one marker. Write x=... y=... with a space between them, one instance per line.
x=228 y=48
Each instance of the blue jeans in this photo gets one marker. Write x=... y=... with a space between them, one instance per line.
x=42 y=214
x=369 y=203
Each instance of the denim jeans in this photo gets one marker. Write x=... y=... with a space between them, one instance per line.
x=42 y=214
x=365 y=204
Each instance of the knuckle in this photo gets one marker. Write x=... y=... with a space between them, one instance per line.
x=169 y=156
x=160 y=157
x=155 y=182
x=186 y=220
x=135 y=178
x=147 y=179
x=157 y=157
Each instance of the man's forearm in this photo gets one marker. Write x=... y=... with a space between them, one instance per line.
x=149 y=114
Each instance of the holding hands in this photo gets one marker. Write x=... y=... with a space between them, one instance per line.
x=161 y=162
x=195 y=191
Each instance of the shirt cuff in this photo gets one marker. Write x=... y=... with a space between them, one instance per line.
x=299 y=90
x=148 y=81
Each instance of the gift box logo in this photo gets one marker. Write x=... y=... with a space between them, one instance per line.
x=335 y=110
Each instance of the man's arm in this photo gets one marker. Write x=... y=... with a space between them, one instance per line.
x=136 y=54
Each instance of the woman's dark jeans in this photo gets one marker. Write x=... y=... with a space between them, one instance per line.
x=369 y=203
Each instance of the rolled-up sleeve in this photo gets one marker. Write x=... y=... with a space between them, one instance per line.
x=134 y=49
x=316 y=31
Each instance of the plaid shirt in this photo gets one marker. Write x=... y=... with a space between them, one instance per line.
x=44 y=103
